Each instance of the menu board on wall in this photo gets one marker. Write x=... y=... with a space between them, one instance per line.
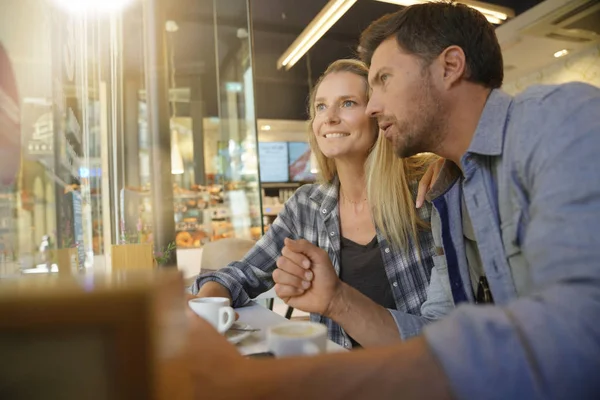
x=273 y=161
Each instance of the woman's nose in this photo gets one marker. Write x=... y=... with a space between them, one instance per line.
x=332 y=116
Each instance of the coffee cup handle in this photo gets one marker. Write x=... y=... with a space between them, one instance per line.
x=226 y=318
x=310 y=349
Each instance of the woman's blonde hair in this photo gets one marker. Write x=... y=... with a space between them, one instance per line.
x=389 y=180
x=388 y=177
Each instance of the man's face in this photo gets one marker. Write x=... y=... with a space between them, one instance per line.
x=405 y=101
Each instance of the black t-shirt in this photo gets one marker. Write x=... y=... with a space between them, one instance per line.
x=362 y=268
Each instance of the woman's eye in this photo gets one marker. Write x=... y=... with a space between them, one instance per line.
x=384 y=77
x=348 y=103
x=320 y=107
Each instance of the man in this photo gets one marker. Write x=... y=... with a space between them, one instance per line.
x=527 y=169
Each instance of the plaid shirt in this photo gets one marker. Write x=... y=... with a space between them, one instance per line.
x=312 y=214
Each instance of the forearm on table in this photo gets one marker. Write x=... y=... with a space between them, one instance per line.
x=364 y=320
x=407 y=370
x=214 y=289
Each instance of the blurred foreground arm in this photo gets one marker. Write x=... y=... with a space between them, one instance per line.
x=407 y=370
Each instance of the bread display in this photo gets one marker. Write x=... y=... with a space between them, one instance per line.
x=202 y=213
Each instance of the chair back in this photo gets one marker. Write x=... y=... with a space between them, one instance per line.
x=217 y=254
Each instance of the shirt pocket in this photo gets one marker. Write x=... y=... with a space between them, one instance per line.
x=441 y=268
x=512 y=238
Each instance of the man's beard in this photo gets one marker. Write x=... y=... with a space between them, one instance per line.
x=425 y=132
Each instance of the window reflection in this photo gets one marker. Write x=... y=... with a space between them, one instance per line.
x=78 y=151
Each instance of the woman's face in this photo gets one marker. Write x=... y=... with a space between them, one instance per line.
x=341 y=127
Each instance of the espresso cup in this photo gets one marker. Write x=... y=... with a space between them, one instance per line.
x=297 y=338
x=215 y=310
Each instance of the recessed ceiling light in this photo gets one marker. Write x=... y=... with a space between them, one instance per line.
x=265 y=128
x=561 y=53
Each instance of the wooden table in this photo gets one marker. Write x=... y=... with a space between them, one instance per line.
x=261 y=318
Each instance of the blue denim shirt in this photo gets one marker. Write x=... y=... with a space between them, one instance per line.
x=531 y=183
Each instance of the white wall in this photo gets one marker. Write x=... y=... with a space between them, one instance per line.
x=584 y=67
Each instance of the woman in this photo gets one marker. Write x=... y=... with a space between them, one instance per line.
x=373 y=246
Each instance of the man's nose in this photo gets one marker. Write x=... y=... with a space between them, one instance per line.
x=373 y=107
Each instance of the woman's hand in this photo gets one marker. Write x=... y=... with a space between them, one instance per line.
x=428 y=179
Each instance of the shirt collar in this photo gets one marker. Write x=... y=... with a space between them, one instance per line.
x=449 y=174
x=488 y=139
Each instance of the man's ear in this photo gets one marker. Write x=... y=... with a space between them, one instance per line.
x=453 y=64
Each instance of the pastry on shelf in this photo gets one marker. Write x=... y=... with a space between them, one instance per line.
x=213 y=189
x=255 y=232
x=184 y=239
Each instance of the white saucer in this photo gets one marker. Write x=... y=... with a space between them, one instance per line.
x=234 y=336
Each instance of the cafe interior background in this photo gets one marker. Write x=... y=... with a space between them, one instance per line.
x=168 y=125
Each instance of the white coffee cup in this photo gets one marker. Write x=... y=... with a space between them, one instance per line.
x=297 y=338
x=215 y=310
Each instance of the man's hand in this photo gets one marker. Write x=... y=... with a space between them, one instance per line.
x=305 y=278
x=428 y=179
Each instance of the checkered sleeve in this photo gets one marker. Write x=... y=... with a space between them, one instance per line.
x=251 y=276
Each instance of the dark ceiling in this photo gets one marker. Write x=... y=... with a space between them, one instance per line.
x=279 y=94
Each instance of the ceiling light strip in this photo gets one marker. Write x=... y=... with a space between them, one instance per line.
x=494 y=14
x=492 y=20
x=324 y=28
x=328 y=16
